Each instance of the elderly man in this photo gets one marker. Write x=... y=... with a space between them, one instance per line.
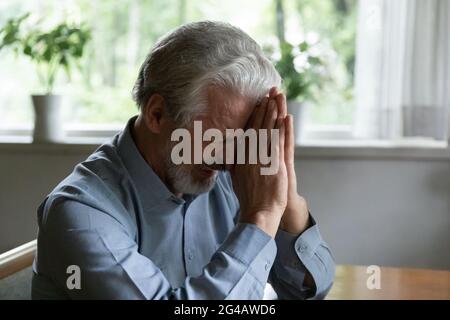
x=128 y=223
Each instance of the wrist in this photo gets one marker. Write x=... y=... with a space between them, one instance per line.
x=266 y=220
x=296 y=216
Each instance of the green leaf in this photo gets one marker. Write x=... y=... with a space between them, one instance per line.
x=27 y=50
x=314 y=60
x=304 y=46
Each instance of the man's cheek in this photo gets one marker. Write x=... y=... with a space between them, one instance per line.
x=213 y=154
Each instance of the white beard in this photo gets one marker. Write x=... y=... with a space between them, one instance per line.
x=183 y=181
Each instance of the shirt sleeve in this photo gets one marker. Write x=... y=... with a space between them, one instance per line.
x=112 y=267
x=300 y=254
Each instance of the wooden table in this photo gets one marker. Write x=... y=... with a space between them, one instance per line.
x=396 y=283
x=350 y=282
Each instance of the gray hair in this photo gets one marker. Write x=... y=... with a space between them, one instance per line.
x=186 y=61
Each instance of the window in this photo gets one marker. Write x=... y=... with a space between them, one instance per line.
x=402 y=70
x=99 y=94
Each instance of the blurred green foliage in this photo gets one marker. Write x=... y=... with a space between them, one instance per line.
x=302 y=72
x=50 y=50
x=122 y=33
x=335 y=23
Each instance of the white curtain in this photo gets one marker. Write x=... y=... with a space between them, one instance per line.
x=402 y=74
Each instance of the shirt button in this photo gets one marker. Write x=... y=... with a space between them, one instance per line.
x=302 y=248
x=190 y=256
x=267 y=266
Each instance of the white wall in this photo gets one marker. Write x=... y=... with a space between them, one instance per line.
x=374 y=209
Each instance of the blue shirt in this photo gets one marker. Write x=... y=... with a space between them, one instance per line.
x=131 y=238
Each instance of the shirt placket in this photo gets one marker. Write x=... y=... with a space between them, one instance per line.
x=188 y=240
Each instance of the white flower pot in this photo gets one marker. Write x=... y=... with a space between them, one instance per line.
x=297 y=109
x=47 y=122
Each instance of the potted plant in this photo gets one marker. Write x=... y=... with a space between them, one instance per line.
x=302 y=74
x=58 y=48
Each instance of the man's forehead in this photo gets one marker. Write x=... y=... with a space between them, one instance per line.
x=228 y=109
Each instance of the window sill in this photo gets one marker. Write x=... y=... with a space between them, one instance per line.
x=23 y=144
x=374 y=150
x=308 y=149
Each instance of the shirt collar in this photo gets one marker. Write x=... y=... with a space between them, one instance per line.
x=150 y=188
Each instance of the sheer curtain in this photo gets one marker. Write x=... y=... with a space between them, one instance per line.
x=402 y=74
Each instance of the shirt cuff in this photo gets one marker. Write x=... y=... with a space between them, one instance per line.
x=296 y=251
x=252 y=247
x=291 y=246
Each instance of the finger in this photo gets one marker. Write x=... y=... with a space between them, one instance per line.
x=251 y=119
x=260 y=113
x=282 y=105
x=273 y=92
x=271 y=115
x=282 y=141
x=270 y=120
x=279 y=123
x=289 y=143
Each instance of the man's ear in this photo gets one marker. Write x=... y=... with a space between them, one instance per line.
x=154 y=112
